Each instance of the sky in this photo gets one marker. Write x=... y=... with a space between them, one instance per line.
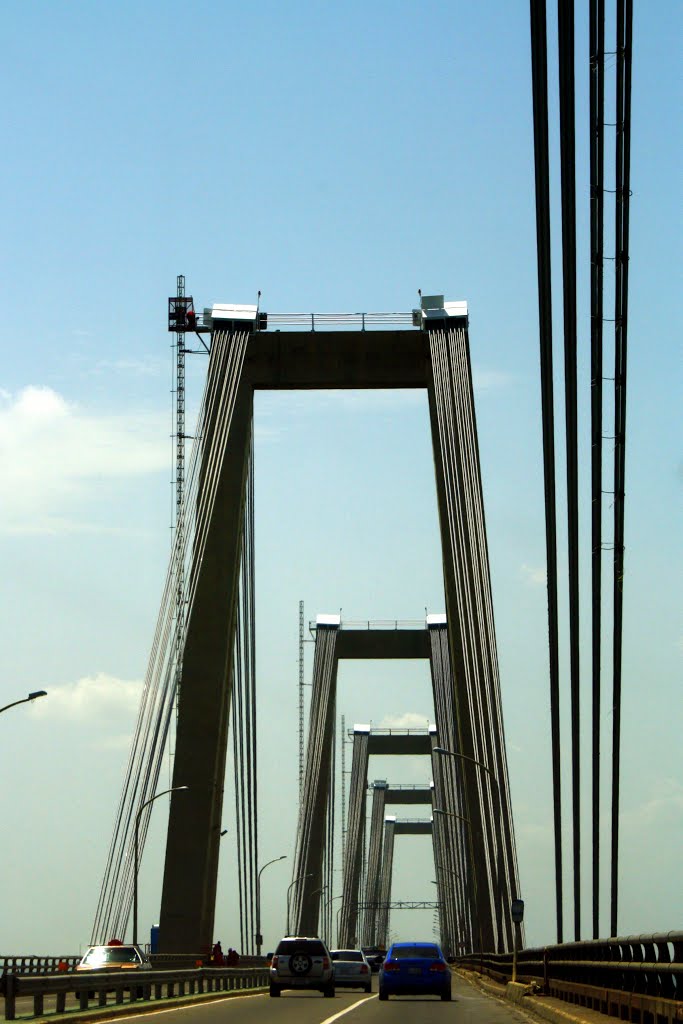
x=337 y=158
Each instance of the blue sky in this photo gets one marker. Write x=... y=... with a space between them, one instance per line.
x=337 y=158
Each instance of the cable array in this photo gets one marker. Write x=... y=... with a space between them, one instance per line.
x=374 y=873
x=387 y=873
x=453 y=854
x=325 y=918
x=348 y=929
x=471 y=628
x=244 y=726
x=597 y=124
x=311 y=839
x=162 y=675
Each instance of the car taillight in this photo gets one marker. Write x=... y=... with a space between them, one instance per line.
x=363 y=969
x=273 y=962
x=438 y=966
x=392 y=965
x=326 y=963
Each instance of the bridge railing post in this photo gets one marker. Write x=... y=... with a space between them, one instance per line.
x=9 y=984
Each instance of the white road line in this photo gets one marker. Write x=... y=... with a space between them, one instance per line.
x=342 y=1013
x=184 y=1006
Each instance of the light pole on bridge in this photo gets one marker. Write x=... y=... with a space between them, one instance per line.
x=24 y=700
x=151 y=800
x=289 y=889
x=259 y=937
x=496 y=789
x=327 y=905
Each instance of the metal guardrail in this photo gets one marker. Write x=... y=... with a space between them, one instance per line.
x=30 y=963
x=609 y=975
x=325 y=321
x=321 y=321
x=376 y=624
x=96 y=987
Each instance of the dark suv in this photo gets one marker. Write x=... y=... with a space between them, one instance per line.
x=302 y=962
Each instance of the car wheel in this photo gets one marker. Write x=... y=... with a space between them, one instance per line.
x=300 y=964
x=328 y=991
x=275 y=990
x=446 y=997
x=368 y=988
x=383 y=995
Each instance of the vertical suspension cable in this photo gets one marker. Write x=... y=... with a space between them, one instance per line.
x=568 y=176
x=597 y=174
x=539 y=66
x=623 y=191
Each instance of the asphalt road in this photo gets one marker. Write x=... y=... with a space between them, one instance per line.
x=469 y=1006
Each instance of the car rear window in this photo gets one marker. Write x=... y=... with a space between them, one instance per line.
x=347 y=954
x=421 y=952
x=290 y=946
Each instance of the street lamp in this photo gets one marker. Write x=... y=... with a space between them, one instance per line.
x=24 y=700
x=151 y=800
x=496 y=789
x=259 y=937
x=327 y=905
x=289 y=889
x=450 y=814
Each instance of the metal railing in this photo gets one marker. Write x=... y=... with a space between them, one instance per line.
x=352 y=321
x=609 y=975
x=31 y=963
x=386 y=731
x=50 y=993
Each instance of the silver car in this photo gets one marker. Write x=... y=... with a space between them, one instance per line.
x=351 y=969
x=302 y=962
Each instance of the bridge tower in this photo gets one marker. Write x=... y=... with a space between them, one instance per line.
x=427 y=349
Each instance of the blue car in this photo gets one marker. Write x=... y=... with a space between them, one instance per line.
x=415 y=969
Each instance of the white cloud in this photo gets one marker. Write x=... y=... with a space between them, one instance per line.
x=409 y=720
x=100 y=698
x=665 y=807
x=54 y=453
x=535 y=575
x=133 y=367
x=485 y=381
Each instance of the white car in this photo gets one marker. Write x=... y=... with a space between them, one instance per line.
x=301 y=961
x=114 y=957
x=351 y=969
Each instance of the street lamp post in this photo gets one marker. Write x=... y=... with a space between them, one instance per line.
x=289 y=889
x=496 y=789
x=24 y=700
x=151 y=800
x=450 y=814
x=327 y=905
x=259 y=937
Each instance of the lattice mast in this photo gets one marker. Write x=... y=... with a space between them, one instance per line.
x=180 y=485
x=301 y=697
x=343 y=788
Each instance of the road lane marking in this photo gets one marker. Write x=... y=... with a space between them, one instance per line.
x=342 y=1013
x=175 y=1009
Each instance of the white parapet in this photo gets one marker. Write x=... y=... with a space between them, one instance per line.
x=231 y=312
x=434 y=621
x=333 y=621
